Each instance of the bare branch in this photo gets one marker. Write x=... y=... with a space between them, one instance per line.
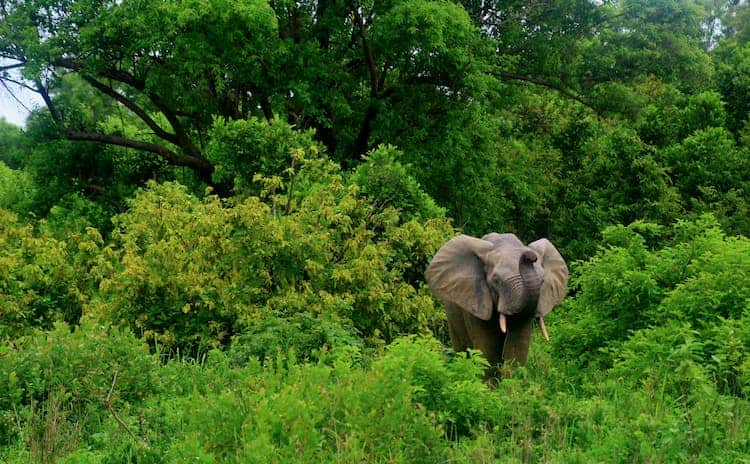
x=13 y=95
x=20 y=84
x=12 y=66
x=108 y=405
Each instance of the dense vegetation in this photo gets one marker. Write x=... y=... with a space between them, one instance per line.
x=213 y=236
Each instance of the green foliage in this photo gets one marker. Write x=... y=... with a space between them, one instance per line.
x=704 y=110
x=727 y=344
x=342 y=140
x=430 y=40
x=414 y=403
x=618 y=181
x=58 y=385
x=43 y=279
x=670 y=115
x=308 y=336
x=191 y=272
x=75 y=213
x=451 y=389
x=733 y=81
x=11 y=145
x=708 y=158
x=691 y=285
x=659 y=121
x=663 y=37
x=711 y=173
x=243 y=149
x=387 y=183
x=17 y=190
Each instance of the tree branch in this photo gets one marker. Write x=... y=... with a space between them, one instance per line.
x=13 y=95
x=197 y=163
x=368 y=52
x=44 y=92
x=180 y=135
x=190 y=156
x=140 y=112
x=183 y=140
x=111 y=409
x=12 y=66
x=549 y=84
x=19 y=83
x=360 y=143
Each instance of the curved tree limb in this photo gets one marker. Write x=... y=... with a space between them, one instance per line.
x=180 y=136
x=183 y=140
x=13 y=95
x=44 y=92
x=192 y=156
x=199 y=164
x=550 y=85
x=129 y=104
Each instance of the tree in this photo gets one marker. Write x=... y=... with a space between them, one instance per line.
x=358 y=74
x=11 y=145
x=733 y=81
x=171 y=65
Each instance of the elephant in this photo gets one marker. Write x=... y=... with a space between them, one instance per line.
x=493 y=289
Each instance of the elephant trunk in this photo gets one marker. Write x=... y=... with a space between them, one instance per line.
x=532 y=279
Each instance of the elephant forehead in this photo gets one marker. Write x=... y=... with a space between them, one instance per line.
x=503 y=240
x=505 y=261
x=505 y=256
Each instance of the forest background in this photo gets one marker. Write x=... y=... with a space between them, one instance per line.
x=213 y=235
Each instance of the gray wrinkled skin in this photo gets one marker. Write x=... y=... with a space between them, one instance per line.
x=492 y=282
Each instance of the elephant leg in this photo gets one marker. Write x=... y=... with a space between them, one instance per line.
x=516 y=347
x=486 y=337
x=457 y=328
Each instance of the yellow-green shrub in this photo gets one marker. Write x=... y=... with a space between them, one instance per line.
x=42 y=279
x=192 y=272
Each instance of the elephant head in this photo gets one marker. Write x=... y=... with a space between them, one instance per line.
x=497 y=278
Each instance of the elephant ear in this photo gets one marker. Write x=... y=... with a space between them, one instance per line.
x=555 y=276
x=456 y=274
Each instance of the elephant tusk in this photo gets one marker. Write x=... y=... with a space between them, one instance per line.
x=503 y=323
x=543 y=328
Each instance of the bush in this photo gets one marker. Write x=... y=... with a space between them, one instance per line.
x=698 y=280
x=78 y=375
x=241 y=149
x=707 y=158
x=727 y=349
x=74 y=213
x=309 y=336
x=287 y=411
x=386 y=182
x=43 y=279
x=619 y=181
x=17 y=190
x=190 y=272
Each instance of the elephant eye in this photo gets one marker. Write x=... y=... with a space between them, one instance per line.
x=528 y=257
